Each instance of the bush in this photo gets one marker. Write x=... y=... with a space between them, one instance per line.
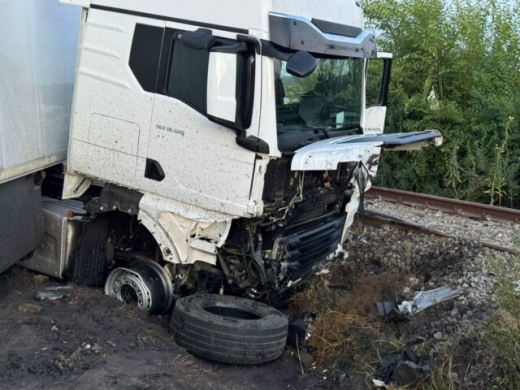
x=456 y=69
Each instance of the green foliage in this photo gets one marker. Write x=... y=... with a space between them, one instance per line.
x=456 y=69
x=504 y=329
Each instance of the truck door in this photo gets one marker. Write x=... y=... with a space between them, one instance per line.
x=377 y=84
x=205 y=96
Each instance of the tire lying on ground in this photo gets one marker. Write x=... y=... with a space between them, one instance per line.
x=229 y=329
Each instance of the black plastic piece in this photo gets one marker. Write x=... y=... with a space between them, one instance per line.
x=385 y=82
x=253 y=144
x=337 y=29
x=145 y=55
x=301 y=64
x=271 y=50
x=403 y=368
x=153 y=170
x=200 y=39
x=113 y=198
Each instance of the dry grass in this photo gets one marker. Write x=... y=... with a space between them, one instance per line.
x=441 y=378
x=348 y=327
x=340 y=334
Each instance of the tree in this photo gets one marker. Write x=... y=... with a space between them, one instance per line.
x=456 y=69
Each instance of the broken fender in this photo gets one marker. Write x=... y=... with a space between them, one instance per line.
x=327 y=154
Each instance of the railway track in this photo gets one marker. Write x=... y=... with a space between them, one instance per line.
x=460 y=207
x=467 y=209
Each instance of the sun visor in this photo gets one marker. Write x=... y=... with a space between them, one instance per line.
x=321 y=37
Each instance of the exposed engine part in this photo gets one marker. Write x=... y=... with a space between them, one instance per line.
x=301 y=228
x=144 y=283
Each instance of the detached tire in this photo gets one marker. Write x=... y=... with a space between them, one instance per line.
x=89 y=264
x=229 y=329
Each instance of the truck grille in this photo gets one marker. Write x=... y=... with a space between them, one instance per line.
x=306 y=248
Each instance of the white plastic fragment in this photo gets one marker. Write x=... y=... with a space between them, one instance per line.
x=425 y=299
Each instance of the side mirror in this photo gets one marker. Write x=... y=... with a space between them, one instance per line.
x=201 y=39
x=301 y=64
x=222 y=86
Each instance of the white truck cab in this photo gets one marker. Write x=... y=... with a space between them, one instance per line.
x=235 y=132
x=214 y=146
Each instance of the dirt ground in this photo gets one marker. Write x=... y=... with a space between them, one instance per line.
x=89 y=341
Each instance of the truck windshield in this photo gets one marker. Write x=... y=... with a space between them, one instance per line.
x=329 y=99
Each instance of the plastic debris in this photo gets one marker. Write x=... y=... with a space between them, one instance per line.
x=425 y=299
x=400 y=309
x=390 y=312
x=516 y=285
x=54 y=293
x=299 y=329
x=402 y=368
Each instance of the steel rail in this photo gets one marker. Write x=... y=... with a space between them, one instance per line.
x=377 y=220
x=460 y=207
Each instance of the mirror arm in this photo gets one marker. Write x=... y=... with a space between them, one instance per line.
x=270 y=50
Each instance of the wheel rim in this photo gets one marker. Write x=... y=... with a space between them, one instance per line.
x=145 y=283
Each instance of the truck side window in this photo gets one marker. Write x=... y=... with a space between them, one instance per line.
x=188 y=76
x=145 y=55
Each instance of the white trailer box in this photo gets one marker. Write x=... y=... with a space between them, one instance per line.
x=38 y=50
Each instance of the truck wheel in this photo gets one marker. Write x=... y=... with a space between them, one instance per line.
x=89 y=263
x=146 y=283
x=229 y=329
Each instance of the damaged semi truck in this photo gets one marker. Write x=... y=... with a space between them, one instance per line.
x=219 y=151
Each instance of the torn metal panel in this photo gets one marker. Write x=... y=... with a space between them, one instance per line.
x=425 y=299
x=394 y=311
x=151 y=202
x=327 y=154
x=361 y=175
x=184 y=238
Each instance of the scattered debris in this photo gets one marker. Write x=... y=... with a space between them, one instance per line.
x=96 y=348
x=426 y=299
x=299 y=329
x=54 y=328
x=54 y=293
x=400 y=309
x=30 y=308
x=390 y=312
x=402 y=368
x=516 y=285
x=41 y=278
x=49 y=295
